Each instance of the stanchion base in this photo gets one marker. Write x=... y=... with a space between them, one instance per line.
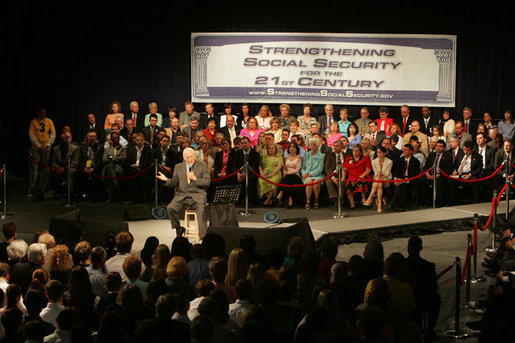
x=69 y=205
x=248 y=213
x=490 y=250
x=457 y=335
x=340 y=216
x=478 y=279
x=7 y=216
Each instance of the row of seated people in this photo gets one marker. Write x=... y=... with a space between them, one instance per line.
x=202 y=294
x=288 y=161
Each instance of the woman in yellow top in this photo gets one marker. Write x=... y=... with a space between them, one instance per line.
x=270 y=168
x=115 y=109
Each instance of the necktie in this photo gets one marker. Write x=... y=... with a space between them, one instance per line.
x=453 y=156
x=404 y=127
x=151 y=135
x=373 y=139
x=231 y=135
x=437 y=161
x=406 y=167
x=338 y=160
x=134 y=118
x=466 y=127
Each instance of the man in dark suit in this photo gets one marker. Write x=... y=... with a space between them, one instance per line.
x=151 y=131
x=190 y=179
x=139 y=157
x=391 y=151
x=253 y=158
x=468 y=167
x=427 y=121
x=376 y=137
x=230 y=130
x=210 y=113
x=469 y=126
x=487 y=154
x=421 y=275
x=405 y=167
x=167 y=159
x=325 y=120
x=443 y=161
x=331 y=161
x=505 y=156
x=92 y=126
x=90 y=160
x=129 y=130
x=405 y=120
x=138 y=119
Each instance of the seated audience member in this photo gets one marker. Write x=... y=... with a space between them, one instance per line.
x=421 y=275
x=382 y=167
x=275 y=258
x=313 y=170
x=264 y=118
x=54 y=293
x=291 y=174
x=167 y=327
x=373 y=256
x=21 y=273
x=152 y=107
x=334 y=134
x=198 y=266
x=210 y=307
x=270 y=168
x=35 y=301
x=294 y=251
x=124 y=242
x=218 y=272
x=132 y=269
x=96 y=271
x=284 y=142
x=82 y=254
x=418 y=154
x=189 y=114
x=151 y=243
x=230 y=131
x=237 y=266
x=48 y=240
x=113 y=159
x=223 y=163
x=192 y=129
x=177 y=281
x=157 y=270
x=115 y=128
x=49 y=180
x=405 y=167
x=275 y=129
x=90 y=155
x=314 y=129
x=10 y=231
x=92 y=126
x=468 y=166
x=139 y=158
x=285 y=118
x=181 y=309
x=10 y=326
x=16 y=252
x=60 y=264
x=79 y=294
x=113 y=285
x=151 y=130
x=211 y=130
x=443 y=161
x=202 y=289
x=352 y=288
x=114 y=111
x=13 y=300
x=356 y=168
x=172 y=114
x=329 y=250
x=248 y=244
x=353 y=135
x=252 y=131
x=4 y=282
x=415 y=131
x=128 y=130
x=40 y=279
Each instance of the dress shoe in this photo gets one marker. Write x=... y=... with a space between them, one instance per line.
x=490 y=273
x=492 y=254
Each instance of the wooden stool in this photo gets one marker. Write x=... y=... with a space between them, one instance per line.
x=191 y=232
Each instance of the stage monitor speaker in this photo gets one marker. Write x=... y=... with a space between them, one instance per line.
x=267 y=237
x=140 y=212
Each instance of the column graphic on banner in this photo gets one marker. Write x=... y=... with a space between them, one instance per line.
x=445 y=80
x=200 y=66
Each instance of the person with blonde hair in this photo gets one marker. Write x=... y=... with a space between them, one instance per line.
x=176 y=282
x=264 y=118
x=60 y=264
x=270 y=167
x=237 y=266
x=285 y=119
x=114 y=111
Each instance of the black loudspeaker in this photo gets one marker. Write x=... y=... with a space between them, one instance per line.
x=94 y=231
x=139 y=212
x=267 y=237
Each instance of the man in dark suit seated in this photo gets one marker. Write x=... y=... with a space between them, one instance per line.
x=90 y=160
x=113 y=159
x=139 y=157
x=92 y=126
x=404 y=192
x=468 y=167
x=138 y=119
x=443 y=161
x=210 y=113
x=150 y=131
x=230 y=130
x=487 y=154
x=391 y=151
x=427 y=121
x=506 y=156
x=253 y=158
x=190 y=179
x=129 y=130
x=376 y=136
x=167 y=159
x=421 y=275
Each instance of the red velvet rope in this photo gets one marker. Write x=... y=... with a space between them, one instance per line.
x=117 y=177
x=474 y=180
x=465 y=266
x=398 y=180
x=46 y=166
x=292 y=186
x=474 y=240
x=226 y=176
x=443 y=272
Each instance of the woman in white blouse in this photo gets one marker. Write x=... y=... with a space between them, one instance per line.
x=264 y=117
x=382 y=167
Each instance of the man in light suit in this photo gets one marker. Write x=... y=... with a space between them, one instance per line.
x=363 y=122
x=326 y=119
x=190 y=180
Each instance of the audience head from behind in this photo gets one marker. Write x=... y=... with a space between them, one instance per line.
x=124 y=242
x=130 y=298
x=338 y=273
x=10 y=230
x=17 y=250
x=98 y=256
x=395 y=266
x=68 y=318
x=214 y=244
x=198 y=251
x=36 y=253
x=37 y=234
x=12 y=295
x=35 y=301
x=202 y=329
x=34 y=331
x=374 y=251
x=165 y=307
x=356 y=264
x=256 y=274
x=113 y=282
x=160 y=260
x=268 y=293
x=209 y=307
x=275 y=258
x=295 y=248
x=132 y=267
x=151 y=243
x=218 y=269
x=40 y=279
x=60 y=259
x=82 y=252
x=329 y=249
x=55 y=291
x=177 y=268
x=237 y=266
x=48 y=240
x=243 y=289
x=203 y=288
x=12 y=321
x=76 y=231
x=371 y=323
x=379 y=293
x=414 y=246
x=181 y=247
x=79 y=281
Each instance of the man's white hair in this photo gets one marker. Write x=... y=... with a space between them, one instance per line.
x=36 y=252
x=188 y=150
x=17 y=249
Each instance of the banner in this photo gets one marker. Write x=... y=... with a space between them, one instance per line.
x=362 y=69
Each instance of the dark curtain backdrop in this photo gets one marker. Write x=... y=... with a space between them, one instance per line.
x=76 y=57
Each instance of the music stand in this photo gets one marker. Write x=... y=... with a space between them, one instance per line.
x=222 y=206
